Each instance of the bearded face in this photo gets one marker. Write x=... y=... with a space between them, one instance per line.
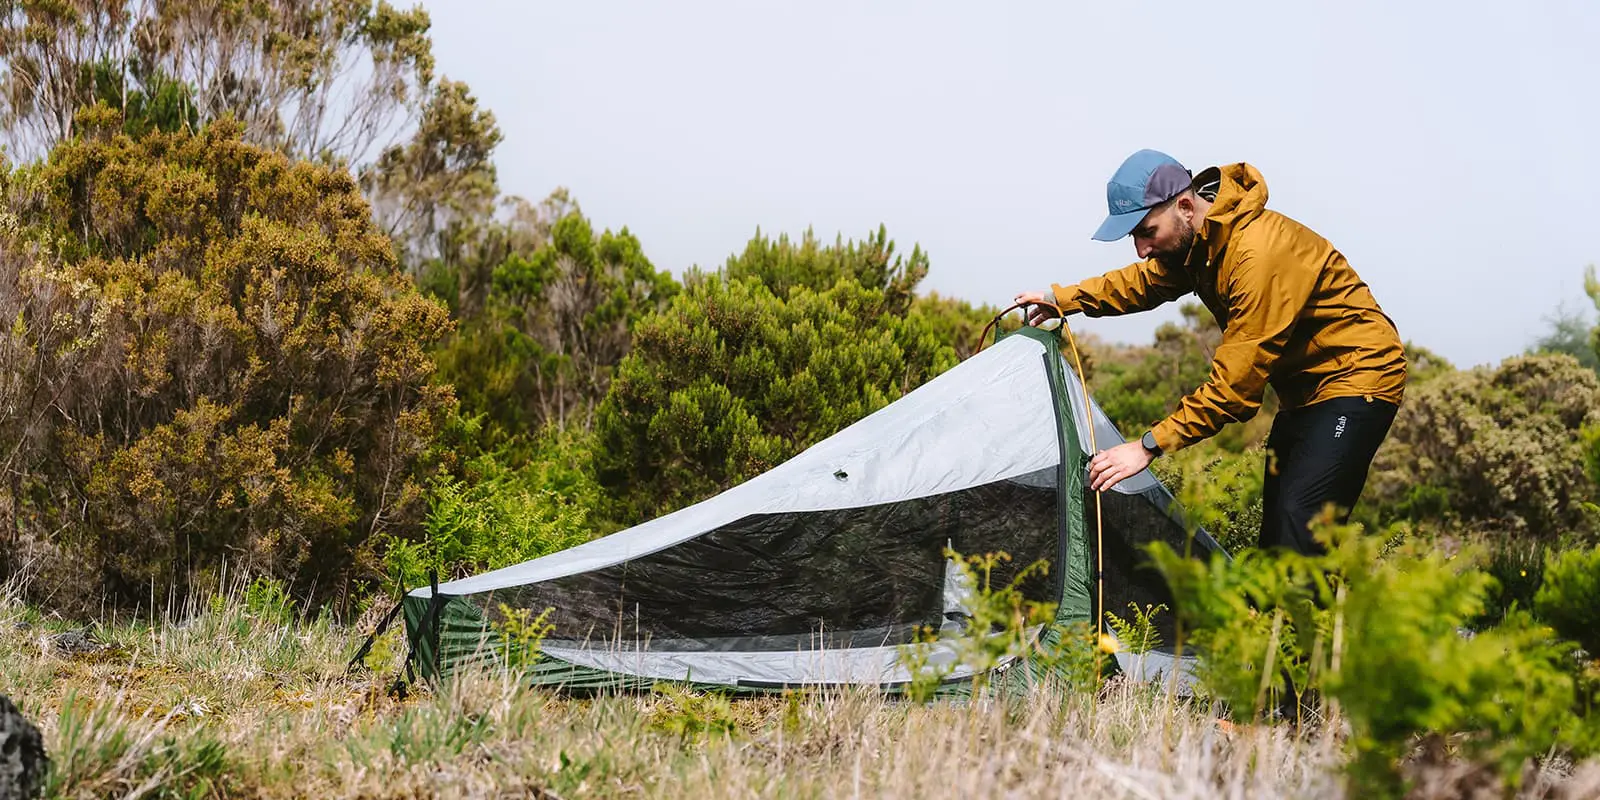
x=1175 y=249
x=1166 y=234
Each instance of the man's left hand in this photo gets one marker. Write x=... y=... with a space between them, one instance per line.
x=1038 y=312
x=1110 y=467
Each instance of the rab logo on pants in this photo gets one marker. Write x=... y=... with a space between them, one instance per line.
x=1338 y=430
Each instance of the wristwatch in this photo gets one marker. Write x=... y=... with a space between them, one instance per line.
x=1149 y=442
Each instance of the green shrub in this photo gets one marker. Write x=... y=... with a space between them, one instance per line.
x=1408 y=669
x=1569 y=597
x=493 y=515
x=1137 y=633
x=731 y=380
x=1012 y=627
x=1516 y=566
x=267 y=600
x=1381 y=633
x=987 y=609
x=522 y=634
x=690 y=715
x=485 y=525
x=555 y=321
x=1261 y=622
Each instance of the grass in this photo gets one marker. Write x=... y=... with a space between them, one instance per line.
x=243 y=699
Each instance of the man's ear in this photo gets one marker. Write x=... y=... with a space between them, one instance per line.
x=1185 y=206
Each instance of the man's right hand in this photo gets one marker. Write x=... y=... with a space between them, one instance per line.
x=1038 y=313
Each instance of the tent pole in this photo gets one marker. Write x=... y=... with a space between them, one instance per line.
x=1094 y=448
x=366 y=646
x=435 y=608
x=1099 y=527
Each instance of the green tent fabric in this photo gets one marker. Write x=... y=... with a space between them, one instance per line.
x=822 y=570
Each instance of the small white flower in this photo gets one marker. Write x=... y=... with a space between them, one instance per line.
x=192 y=707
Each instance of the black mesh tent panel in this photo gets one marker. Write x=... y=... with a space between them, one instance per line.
x=1130 y=522
x=864 y=576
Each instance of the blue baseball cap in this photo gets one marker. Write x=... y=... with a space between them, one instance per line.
x=1147 y=179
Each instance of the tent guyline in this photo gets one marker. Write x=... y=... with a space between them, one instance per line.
x=823 y=569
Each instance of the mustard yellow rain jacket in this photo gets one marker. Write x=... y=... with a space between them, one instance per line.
x=1292 y=311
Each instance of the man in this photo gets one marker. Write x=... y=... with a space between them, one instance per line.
x=1293 y=314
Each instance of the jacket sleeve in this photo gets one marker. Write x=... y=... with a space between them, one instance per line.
x=1265 y=300
x=1140 y=286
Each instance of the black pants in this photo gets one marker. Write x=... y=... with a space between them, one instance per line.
x=1318 y=454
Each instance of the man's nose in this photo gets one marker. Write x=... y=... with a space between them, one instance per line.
x=1143 y=247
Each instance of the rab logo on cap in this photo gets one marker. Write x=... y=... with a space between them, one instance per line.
x=1123 y=202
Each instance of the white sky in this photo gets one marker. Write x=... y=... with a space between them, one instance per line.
x=1444 y=147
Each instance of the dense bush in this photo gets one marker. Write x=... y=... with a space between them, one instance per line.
x=208 y=356
x=782 y=348
x=556 y=321
x=730 y=381
x=1497 y=449
x=785 y=266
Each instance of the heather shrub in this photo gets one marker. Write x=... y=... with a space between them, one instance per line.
x=208 y=356
x=1495 y=449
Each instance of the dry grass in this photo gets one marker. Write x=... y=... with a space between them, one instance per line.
x=236 y=703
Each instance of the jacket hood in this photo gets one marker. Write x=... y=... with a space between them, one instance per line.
x=1241 y=197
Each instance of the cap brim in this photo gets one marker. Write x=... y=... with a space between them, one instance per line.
x=1117 y=226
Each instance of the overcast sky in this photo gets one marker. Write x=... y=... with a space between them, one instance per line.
x=1444 y=147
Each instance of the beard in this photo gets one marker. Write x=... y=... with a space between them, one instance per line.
x=1177 y=253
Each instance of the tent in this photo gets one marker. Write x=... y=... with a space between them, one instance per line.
x=821 y=570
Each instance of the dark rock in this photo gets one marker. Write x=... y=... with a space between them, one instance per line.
x=74 y=643
x=22 y=757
